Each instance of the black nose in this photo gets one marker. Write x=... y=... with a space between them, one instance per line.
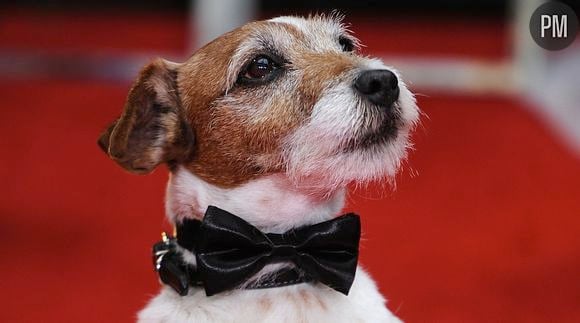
x=378 y=86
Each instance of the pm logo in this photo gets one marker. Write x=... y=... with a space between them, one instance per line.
x=554 y=26
x=555 y=23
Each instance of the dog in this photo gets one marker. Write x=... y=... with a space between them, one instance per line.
x=271 y=122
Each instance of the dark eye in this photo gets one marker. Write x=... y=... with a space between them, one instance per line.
x=259 y=68
x=346 y=44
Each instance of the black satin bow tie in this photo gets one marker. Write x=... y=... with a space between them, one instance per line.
x=229 y=250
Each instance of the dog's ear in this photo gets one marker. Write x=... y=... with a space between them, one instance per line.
x=152 y=128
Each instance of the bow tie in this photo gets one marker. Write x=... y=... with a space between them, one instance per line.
x=230 y=251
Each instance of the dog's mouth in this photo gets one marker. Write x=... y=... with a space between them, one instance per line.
x=387 y=131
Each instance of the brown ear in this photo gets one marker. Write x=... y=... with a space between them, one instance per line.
x=152 y=129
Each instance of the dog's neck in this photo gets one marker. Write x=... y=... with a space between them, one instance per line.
x=271 y=203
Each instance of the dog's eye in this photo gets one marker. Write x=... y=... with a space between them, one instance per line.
x=346 y=44
x=259 y=68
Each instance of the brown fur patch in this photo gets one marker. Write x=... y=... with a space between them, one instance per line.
x=231 y=148
x=221 y=146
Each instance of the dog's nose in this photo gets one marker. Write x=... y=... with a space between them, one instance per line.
x=381 y=87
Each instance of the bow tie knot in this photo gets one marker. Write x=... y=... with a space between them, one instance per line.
x=283 y=252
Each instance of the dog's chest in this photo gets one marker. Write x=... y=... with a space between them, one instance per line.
x=298 y=303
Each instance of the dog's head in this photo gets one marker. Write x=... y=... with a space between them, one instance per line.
x=287 y=95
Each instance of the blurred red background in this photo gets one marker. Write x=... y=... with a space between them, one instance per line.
x=482 y=227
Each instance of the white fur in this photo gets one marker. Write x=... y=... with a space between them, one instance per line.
x=291 y=304
x=269 y=203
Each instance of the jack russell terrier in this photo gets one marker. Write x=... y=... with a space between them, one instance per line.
x=262 y=130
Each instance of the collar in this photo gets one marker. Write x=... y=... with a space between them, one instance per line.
x=230 y=252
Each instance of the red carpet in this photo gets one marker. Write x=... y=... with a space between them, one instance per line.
x=486 y=229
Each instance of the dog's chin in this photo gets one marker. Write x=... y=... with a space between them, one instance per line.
x=386 y=131
x=374 y=156
x=378 y=154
